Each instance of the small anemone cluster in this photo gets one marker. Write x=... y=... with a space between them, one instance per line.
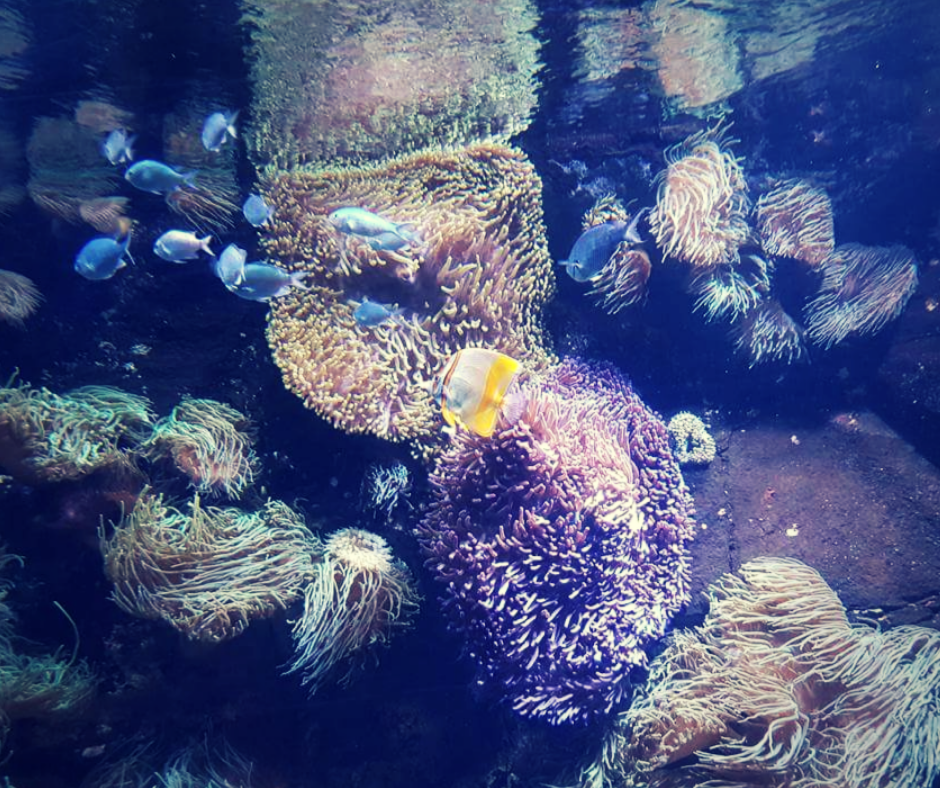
x=735 y=252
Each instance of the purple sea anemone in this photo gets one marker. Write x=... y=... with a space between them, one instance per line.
x=562 y=543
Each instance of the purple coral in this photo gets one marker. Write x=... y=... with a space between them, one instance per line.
x=562 y=543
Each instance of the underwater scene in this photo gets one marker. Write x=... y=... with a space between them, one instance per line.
x=469 y=394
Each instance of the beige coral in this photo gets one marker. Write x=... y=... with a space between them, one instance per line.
x=211 y=571
x=701 y=204
x=794 y=219
x=478 y=276
x=776 y=688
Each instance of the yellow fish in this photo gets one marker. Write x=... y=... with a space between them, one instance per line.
x=471 y=388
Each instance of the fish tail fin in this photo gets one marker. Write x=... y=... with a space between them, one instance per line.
x=129 y=148
x=189 y=178
x=204 y=245
x=230 y=119
x=408 y=231
x=297 y=280
x=632 y=234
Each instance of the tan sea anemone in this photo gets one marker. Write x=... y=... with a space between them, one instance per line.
x=210 y=571
x=776 y=688
x=477 y=275
x=359 y=596
x=702 y=204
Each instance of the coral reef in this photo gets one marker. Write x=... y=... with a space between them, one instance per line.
x=794 y=219
x=777 y=688
x=45 y=437
x=358 y=597
x=701 y=203
x=206 y=440
x=209 y=572
x=863 y=288
x=19 y=297
x=348 y=82
x=478 y=276
x=690 y=437
x=561 y=541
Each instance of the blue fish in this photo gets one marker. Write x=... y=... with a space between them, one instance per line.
x=118 y=147
x=263 y=281
x=595 y=246
x=218 y=128
x=102 y=258
x=359 y=221
x=230 y=266
x=388 y=242
x=369 y=314
x=157 y=178
x=181 y=246
x=256 y=210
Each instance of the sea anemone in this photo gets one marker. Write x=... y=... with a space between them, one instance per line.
x=622 y=281
x=691 y=439
x=213 y=203
x=46 y=437
x=19 y=297
x=777 y=688
x=358 y=597
x=37 y=687
x=701 y=204
x=207 y=441
x=561 y=541
x=794 y=219
x=478 y=274
x=863 y=288
x=211 y=571
x=730 y=291
x=767 y=333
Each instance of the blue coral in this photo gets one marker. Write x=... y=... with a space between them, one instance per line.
x=562 y=543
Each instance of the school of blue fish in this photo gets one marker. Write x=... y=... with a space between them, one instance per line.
x=102 y=257
x=475 y=388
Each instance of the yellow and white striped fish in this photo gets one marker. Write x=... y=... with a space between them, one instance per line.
x=472 y=387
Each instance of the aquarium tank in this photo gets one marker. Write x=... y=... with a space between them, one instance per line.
x=469 y=393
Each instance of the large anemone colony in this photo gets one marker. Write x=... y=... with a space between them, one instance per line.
x=560 y=543
x=479 y=277
x=777 y=688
